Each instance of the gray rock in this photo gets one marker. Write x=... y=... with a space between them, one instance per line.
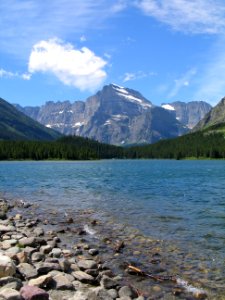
x=65 y=265
x=46 y=249
x=113 y=293
x=38 y=231
x=11 y=252
x=37 y=256
x=127 y=291
x=46 y=267
x=80 y=295
x=7 y=266
x=10 y=294
x=85 y=264
x=99 y=294
x=27 y=270
x=7 y=228
x=61 y=282
x=56 y=252
x=93 y=252
x=11 y=282
x=108 y=283
x=83 y=277
x=31 y=242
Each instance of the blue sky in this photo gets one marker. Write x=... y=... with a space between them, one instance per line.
x=168 y=50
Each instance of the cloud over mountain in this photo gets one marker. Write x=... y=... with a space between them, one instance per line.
x=80 y=68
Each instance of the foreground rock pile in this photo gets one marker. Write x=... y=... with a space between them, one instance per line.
x=35 y=266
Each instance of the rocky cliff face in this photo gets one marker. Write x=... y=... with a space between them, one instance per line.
x=114 y=115
x=189 y=114
x=213 y=117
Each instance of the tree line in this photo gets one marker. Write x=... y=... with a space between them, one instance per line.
x=202 y=144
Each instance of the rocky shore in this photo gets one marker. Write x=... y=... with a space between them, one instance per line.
x=44 y=256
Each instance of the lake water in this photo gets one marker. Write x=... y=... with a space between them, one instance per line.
x=180 y=202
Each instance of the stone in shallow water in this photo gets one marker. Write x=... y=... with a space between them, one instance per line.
x=83 y=277
x=33 y=293
x=108 y=283
x=127 y=291
x=7 y=266
x=85 y=264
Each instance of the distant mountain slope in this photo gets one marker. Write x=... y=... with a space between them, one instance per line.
x=114 y=115
x=214 y=117
x=207 y=143
x=189 y=113
x=14 y=125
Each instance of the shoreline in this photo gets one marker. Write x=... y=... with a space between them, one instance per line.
x=73 y=240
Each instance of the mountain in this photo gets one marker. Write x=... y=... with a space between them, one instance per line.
x=114 y=115
x=189 y=114
x=214 y=117
x=14 y=125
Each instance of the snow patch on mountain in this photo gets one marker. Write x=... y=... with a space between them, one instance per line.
x=168 y=107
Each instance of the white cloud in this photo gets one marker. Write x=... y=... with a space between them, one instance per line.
x=190 y=16
x=138 y=75
x=184 y=81
x=79 y=68
x=11 y=75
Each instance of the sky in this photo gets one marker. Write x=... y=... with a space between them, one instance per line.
x=168 y=50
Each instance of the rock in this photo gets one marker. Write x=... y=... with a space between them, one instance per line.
x=22 y=257
x=85 y=264
x=7 y=266
x=108 y=283
x=18 y=217
x=93 y=252
x=80 y=295
x=65 y=265
x=31 y=242
x=61 y=282
x=99 y=294
x=83 y=277
x=3 y=215
x=33 y=293
x=127 y=291
x=113 y=293
x=30 y=250
x=46 y=249
x=8 y=244
x=37 y=256
x=42 y=281
x=38 y=231
x=27 y=270
x=56 y=252
x=6 y=228
x=11 y=282
x=10 y=294
x=12 y=252
x=46 y=267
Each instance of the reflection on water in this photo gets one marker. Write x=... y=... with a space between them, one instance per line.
x=178 y=201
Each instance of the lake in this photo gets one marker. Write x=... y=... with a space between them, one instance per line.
x=179 y=202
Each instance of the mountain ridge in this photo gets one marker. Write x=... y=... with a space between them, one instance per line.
x=114 y=115
x=15 y=125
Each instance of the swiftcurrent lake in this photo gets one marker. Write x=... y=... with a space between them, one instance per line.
x=181 y=203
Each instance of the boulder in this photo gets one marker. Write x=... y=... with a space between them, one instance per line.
x=7 y=266
x=33 y=293
x=27 y=270
x=10 y=294
x=85 y=264
x=83 y=277
x=41 y=281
